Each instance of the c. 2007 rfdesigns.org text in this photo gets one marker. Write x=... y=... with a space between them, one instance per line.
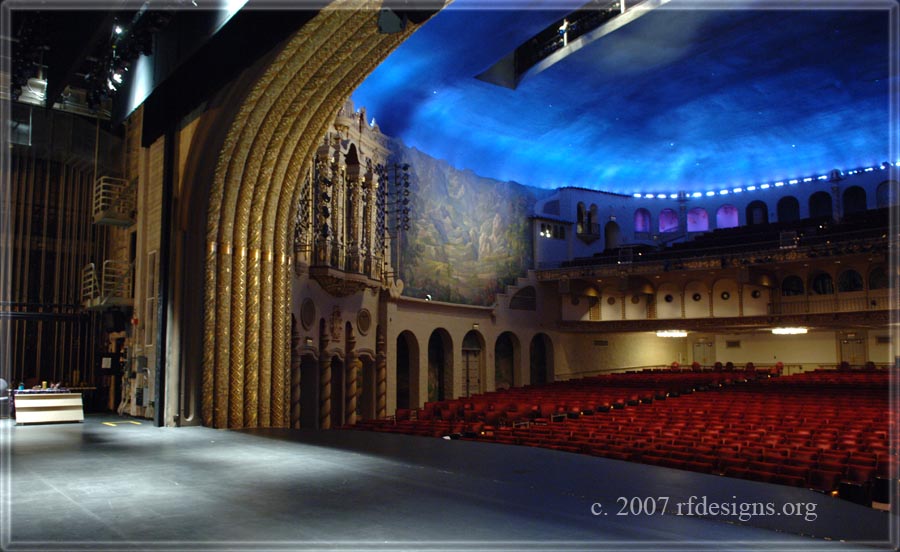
x=702 y=506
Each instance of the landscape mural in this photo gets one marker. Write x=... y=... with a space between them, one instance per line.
x=469 y=236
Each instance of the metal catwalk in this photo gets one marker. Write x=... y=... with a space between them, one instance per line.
x=110 y=483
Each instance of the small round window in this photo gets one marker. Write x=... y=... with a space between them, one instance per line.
x=756 y=294
x=611 y=301
x=696 y=297
x=725 y=296
x=669 y=298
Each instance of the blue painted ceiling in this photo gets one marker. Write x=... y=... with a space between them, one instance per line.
x=680 y=99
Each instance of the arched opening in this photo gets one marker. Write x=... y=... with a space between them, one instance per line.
x=788 y=209
x=506 y=360
x=878 y=278
x=850 y=280
x=821 y=283
x=727 y=217
x=407 y=369
x=440 y=366
x=757 y=213
x=541 y=359
x=854 y=200
x=642 y=221
x=593 y=224
x=367 y=388
x=473 y=364
x=820 y=205
x=792 y=286
x=338 y=394
x=309 y=392
x=613 y=235
x=697 y=220
x=886 y=194
x=580 y=217
x=668 y=221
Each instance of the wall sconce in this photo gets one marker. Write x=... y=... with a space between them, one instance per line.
x=308 y=341
x=474 y=326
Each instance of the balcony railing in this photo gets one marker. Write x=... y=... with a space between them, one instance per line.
x=110 y=288
x=115 y=201
x=839 y=302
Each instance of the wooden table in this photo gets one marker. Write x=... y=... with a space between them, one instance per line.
x=33 y=408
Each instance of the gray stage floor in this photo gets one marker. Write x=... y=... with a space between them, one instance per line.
x=110 y=483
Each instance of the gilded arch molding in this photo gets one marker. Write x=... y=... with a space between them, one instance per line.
x=246 y=350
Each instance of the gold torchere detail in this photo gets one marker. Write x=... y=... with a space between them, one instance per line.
x=265 y=344
x=283 y=305
x=236 y=370
x=209 y=327
x=222 y=333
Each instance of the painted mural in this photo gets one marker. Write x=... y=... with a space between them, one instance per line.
x=469 y=236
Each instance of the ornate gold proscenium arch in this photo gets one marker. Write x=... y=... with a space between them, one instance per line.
x=253 y=198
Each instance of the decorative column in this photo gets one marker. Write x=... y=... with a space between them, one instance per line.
x=354 y=367
x=352 y=221
x=338 y=256
x=351 y=373
x=368 y=217
x=324 y=384
x=324 y=215
x=381 y=374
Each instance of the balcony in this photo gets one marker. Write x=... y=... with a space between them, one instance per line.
x=115 y=201
x=341 y=270
x=588 y=232
x=835 y=303
x=110 y=287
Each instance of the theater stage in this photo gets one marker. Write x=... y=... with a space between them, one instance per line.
x=110 y=483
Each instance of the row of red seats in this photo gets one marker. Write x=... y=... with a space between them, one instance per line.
x=771 y=430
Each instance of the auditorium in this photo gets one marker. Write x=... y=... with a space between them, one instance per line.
x=443 y=275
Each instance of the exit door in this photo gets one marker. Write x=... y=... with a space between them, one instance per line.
x=703 y=353
x=853 y=348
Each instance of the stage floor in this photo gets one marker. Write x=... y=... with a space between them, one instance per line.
x=118 y=483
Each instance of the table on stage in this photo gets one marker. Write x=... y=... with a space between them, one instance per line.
x=47 y=405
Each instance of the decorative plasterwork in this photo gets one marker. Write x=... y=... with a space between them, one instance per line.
x=253 y=198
